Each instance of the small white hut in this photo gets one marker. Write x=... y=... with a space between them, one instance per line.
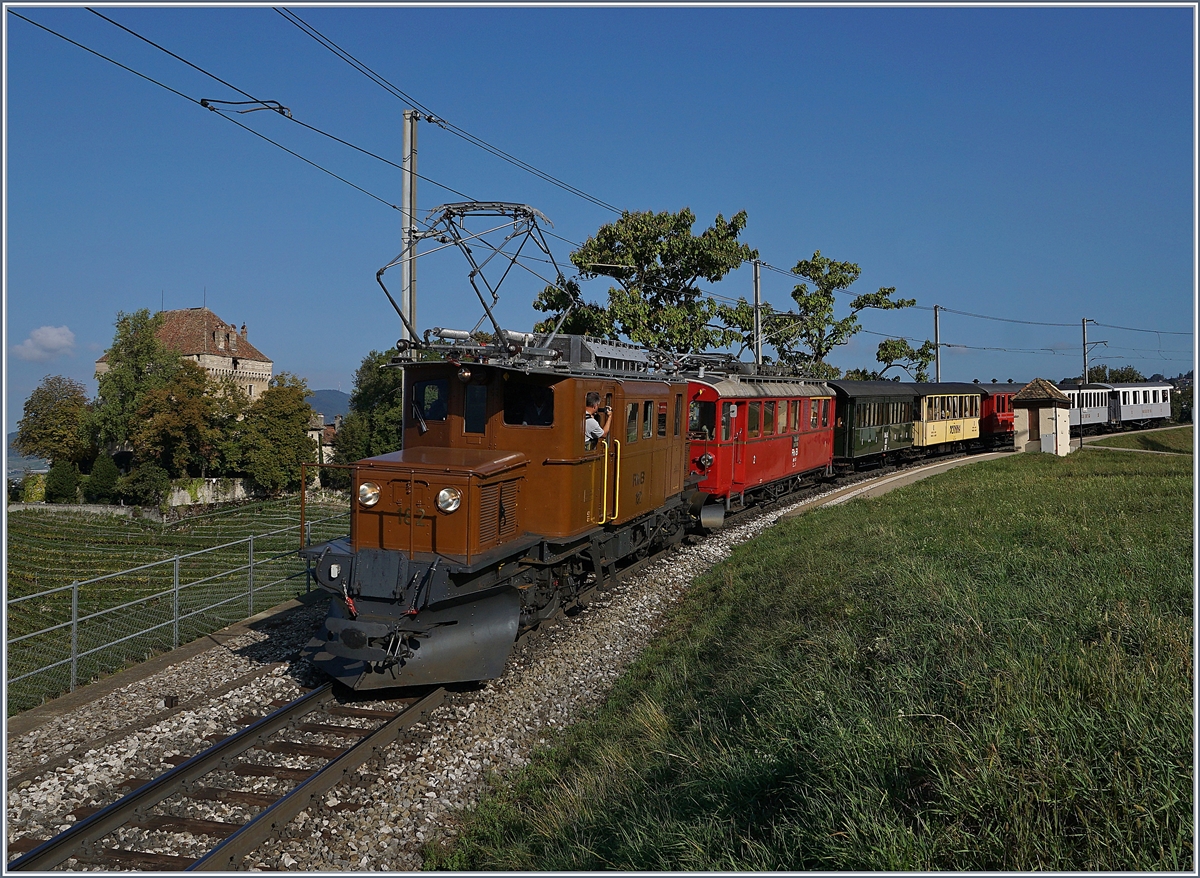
x=1042 y=419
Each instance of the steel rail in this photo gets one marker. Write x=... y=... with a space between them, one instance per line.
x=80 y=837
x=272 y=820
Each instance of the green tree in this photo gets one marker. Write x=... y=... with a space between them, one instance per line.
x=138 y=362
x=175 y=423
x=807 y=337
x=101 y=485
x=146 y=485
x=54 y=420
x=898 y=353
x=584 y=318
x=62 y=482
x=375 y=423
x=657 y=263
x=1124 y=375
x=275 y=440
x=227 y=422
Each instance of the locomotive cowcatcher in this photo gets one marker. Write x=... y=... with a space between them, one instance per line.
x=497 y=511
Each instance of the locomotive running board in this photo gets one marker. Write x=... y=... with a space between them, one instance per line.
x=466 y=642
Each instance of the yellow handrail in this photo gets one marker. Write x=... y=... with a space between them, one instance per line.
x=617 y=483
x=604 y=485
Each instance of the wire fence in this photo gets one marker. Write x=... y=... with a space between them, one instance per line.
x=100 y=625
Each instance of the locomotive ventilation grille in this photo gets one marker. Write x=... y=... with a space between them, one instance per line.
x=497 y=512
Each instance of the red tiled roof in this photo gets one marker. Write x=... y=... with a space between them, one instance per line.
x=192 y=331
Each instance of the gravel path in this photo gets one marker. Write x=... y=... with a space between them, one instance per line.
x=551 y=680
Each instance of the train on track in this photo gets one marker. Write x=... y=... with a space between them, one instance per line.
x=506 y=502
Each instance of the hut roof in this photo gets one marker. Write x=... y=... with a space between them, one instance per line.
x=1040 y=393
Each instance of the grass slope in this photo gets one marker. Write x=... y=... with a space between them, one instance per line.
x=1177 y=441
x=991 y=669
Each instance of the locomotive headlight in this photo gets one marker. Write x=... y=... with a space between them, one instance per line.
x=449 y=499
x=706 y=460
x=368 y=493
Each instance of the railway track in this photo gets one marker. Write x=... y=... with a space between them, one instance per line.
x=157 y=809
x=154 y=806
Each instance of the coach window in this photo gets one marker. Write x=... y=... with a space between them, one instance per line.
x=431 y=398
x=679 y=412
x=631 y=431
x=768 y=418
x=825 y=413
x=727 y=413
x=475 y=409
x=648 y=419
x=796 y=414
x=528 y=405
x=1165 y=397
x=1124 y=397
x=814 y=414
x=702 y=420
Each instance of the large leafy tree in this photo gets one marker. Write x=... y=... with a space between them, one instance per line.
x=276 y=442
x=138 y=363
x=582 y=318
x=657 y=263
x=896 y=353
x=805 y=338
x=54 y=421
x=376 y=420
x=176 y=423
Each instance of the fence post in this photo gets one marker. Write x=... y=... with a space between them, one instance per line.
x=74 y=635
x=250 y=576
x=176 y=590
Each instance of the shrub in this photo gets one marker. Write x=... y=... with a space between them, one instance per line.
x=62 y=482
x=33 y=488
x=147 y=485
x=101 y=485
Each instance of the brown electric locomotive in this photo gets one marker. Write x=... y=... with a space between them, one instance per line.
x=498 y=510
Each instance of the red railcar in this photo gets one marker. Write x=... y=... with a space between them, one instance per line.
x=755 y=435
x=996 y=415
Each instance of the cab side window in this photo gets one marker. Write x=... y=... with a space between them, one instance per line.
x=631 y=430
x=528 y=405
x=431 y=398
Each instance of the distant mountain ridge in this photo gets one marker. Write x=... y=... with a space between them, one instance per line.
x=330 y=403
x=17 y=465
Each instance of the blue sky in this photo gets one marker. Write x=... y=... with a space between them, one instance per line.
x=1033 y=164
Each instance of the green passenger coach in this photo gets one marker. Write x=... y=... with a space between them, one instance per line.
x=873 y=418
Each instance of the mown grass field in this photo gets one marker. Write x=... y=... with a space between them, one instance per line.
x=1176 y=441
x=991 y=669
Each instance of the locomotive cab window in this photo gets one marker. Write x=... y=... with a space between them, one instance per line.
x=768 y=418
x=702 y=420
x=475 y=409
x=631 y=430
x=727 y=413
x=679 y=412
x=648 y=419
x=528 y=405
x=431 y=398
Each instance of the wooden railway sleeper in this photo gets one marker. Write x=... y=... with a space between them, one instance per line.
x=87 y=832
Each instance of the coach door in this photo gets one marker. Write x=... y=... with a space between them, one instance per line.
x=604 y=461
